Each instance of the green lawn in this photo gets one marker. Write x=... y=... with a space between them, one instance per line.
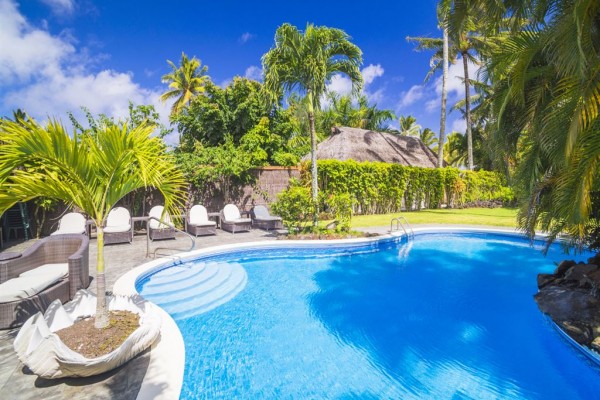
x=469 y=216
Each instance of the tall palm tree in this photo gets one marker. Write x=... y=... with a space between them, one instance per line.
x=305 y=62
x=92 y=172
x=185 y=81
x=343 y=111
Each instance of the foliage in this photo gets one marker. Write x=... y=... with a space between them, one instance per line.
x=295 y=206
x=340 y=205
x=185 y=81
x=343 y=111
x=92 y=170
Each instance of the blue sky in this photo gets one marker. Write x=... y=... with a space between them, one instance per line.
x=58 y=55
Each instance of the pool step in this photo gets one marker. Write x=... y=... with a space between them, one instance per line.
x=209 y=286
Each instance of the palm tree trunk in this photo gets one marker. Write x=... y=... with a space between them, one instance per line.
x=468 y=113
x=313 y=155
x=101 y=313
x=442 y=138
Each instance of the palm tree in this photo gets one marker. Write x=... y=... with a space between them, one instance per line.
x=92 y=172
x=409 y=126
x=428 y=138
x=305 y=62
x=185 y=81
x=343 y=111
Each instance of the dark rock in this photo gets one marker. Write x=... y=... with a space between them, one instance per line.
x=594 y=260
x=580 y=332
x=545 y=279
x=577 y=273
x=594 y=278
x=596 y=344
x=563 y=267
x=564 y=304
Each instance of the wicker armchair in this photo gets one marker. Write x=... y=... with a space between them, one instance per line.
x=158 y=230
x=48 y=254
x=263 y=220
x=198 y=223
x=119 y=228
x=232 y=221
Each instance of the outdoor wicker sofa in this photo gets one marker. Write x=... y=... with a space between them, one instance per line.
x=198 y=223
x=263 y=220
x=159 y=230
x=55 y=267
x=232 y=221
x=119 y=228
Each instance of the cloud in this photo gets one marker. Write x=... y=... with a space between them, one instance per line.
x=246 y=37
x=455 y=85
x=253 y=72
x=46 y=76
x=414 y=94
x=60 y=7
x=459 y=125
x=371 y=72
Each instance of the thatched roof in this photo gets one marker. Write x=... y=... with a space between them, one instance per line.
x=365 y=145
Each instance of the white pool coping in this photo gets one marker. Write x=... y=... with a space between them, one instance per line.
x=164 y=377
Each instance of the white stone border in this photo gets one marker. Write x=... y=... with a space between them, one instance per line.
x=164 y=377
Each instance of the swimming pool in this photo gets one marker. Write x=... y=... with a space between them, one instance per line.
x=442 y=316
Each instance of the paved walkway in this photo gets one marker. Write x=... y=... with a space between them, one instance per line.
x=17 y=382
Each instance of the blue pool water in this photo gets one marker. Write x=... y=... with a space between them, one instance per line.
x=446 y=316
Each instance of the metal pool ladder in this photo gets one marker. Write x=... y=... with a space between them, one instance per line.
x=169 y=224
x=402 y=223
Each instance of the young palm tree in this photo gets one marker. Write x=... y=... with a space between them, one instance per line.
x=305 y=62
x=409 y=126
x=92 y=172
x=185 y=81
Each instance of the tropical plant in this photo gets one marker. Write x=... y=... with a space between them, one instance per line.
x=428 y=138
x=409 y=126
x=89 y=171
x=185 y=81
x=305 y=62
x=343 y=111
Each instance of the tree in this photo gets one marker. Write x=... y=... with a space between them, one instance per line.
x=90 y=171
x=185 y=81
x=428 y=138
x=343 y=111
x=305 y=61
x=409 y=126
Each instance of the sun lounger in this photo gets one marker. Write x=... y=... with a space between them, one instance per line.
x=263 y=220
x=118 y=227
x=232 y=221
x=160 y=230
x=198 y=223
x=71 y=223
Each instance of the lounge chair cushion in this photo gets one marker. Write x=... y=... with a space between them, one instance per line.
x=157 y=212
x=231 y=213
x=240 y=220
x=204 y=223
x=117 y=228
x=60 y=270
x=71 y=223
x=26 y=286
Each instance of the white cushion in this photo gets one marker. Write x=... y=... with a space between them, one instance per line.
x=118 y=216
x=205 y=223
x=156 y=212
x=117 y=228
x=26 y=286
x=198 y=215
x=240 y=220
x=60 y=270
x=71 y=223
x=231 y=213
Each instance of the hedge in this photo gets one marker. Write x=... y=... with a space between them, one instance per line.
x=379 y=188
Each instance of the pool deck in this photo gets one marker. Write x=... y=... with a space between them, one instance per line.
x=16 y=381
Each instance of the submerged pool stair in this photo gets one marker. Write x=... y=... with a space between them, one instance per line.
x=194 y=288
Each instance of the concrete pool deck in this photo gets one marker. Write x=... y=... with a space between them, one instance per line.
x=126 y=382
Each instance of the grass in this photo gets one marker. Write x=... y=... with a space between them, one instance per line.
x=506 y=217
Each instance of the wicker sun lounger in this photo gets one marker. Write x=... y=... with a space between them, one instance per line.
x=119 y=228
x=158 y=230
x=232 y=221
x=198 y=223
x=49 y=254
x=263 y=220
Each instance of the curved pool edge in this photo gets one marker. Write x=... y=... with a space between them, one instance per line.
x=164 y=378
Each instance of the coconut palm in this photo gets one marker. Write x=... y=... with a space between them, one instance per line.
x=91 y=172
x=185 y=81
x=428 y=138
x=305 y=62
x=343 y=111
x=409 y=126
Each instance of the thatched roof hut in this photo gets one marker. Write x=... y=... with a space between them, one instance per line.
x=365 y=145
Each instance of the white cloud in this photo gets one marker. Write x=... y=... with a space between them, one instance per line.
x=371 y=72
x=456 y=73
x=48 y=77
x=415 y=93
x=433 y=104
x=60 y=7
x=246 y=36
x=459 y=125
x=253 y=72
x=340 y=84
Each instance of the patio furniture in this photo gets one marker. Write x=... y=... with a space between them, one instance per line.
x=160 y=230
x=71 y=223
x=263 y=220
x=119 y=228
x=232 y=221
x=55 y=267
x=198 y=223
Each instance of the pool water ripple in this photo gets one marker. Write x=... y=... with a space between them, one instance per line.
x=446 y=316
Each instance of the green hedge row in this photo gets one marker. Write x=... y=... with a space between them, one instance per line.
x=384 y=188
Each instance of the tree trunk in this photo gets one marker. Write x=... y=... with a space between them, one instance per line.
x=313 y=155
x=468 y=113
x=442 y=138
x=101 y=312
